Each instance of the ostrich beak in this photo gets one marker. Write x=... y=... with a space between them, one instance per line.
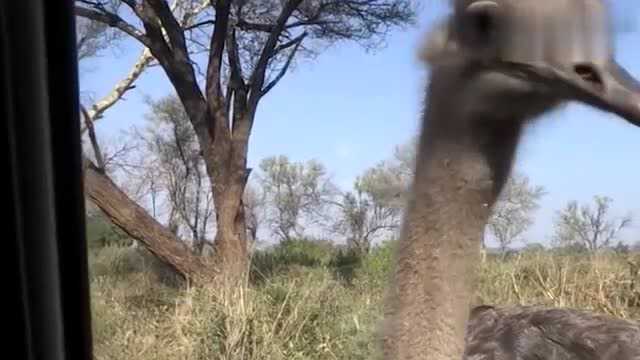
x=619 y=92
x=608 y=87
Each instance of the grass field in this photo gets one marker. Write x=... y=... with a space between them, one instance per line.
x=308 y=301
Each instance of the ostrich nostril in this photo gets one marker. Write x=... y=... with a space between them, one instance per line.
x=483 y=23
x=483 y=15
x=589 y=74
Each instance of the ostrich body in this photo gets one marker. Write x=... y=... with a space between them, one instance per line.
x=473 y=120
x=548 y=334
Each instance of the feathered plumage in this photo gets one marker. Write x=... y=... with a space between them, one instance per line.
x=535 y=333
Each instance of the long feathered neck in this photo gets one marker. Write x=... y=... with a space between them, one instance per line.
x=462 y=164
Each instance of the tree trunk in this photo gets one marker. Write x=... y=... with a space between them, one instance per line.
x=230 y=245
x=139 y=225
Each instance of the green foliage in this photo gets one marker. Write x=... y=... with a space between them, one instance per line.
x=376 y=268
x=295 y=256
x=101 y=233
x=296 y=193
x=290 y=255
x=345 y=263
x=372 y=210
x=121 y=263
x=570 y=250
x=533 y=248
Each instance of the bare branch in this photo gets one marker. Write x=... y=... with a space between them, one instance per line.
x=258 y=76
x=93 y=37
x=218 y=40
x=88 y=120
x=234 y=61
x=236 y=87
x=98 y=108
x=296 y=44
x=115 y=21
x=293 y=42
x=199 y=24
x=170 y=25
x=592 y=228
x=144 y=60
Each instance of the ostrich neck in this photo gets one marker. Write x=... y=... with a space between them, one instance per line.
x=461 y=166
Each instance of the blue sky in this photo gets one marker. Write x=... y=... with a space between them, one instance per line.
x=349 y=108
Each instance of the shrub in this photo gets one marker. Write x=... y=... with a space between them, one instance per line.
x=290 y=256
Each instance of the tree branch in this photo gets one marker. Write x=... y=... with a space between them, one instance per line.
x=247 y=26
x=293 y=42
x=199 y=24
x=115 y=21
x=236 y=88
x=296 y=44
x=218 y=40
x=237 y=78
x=97 y=109
x=258 y=76
x=88 y=120
x=170 y=25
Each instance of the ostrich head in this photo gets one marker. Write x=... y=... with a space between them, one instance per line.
x=522 y=57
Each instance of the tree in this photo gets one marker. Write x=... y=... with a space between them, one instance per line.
x=621 y=248
x=403 y=162
x=372 y=209
x=533 y=248
x=249 y=46
x=254 y=204
x=176 y=164
x=101 y=232
x=94 y=37
x=102 y=191
x=138 y=225
x=590 y=227
x=295 y=194
x=512 y=214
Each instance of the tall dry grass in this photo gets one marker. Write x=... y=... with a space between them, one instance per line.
x=309 y=308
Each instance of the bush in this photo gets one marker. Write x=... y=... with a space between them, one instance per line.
x=101 y=233
x=290 y=256
x=120 y=263
x=375 y=269
x=345 y=263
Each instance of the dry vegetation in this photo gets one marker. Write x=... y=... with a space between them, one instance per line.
x=307 y=301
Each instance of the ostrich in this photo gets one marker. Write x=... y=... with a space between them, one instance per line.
x=496 y=65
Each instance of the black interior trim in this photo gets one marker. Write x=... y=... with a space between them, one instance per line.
x=49 y=293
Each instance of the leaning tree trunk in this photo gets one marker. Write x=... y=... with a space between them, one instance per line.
x=139 y=225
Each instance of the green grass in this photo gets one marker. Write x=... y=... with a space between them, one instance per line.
x=310 y=301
